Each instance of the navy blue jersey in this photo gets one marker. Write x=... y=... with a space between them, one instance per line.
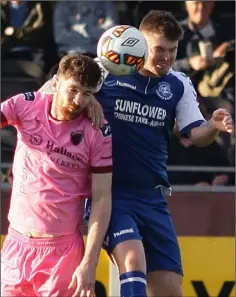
x=142 y=111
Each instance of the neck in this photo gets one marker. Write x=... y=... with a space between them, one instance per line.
x=145 y=72
x=200 y=25
x=54 y=111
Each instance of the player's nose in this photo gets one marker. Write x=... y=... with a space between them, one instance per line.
x=167 y=57
x=78 y=98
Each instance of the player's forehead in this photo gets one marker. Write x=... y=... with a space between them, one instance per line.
x=75 y=84
x=156 y=40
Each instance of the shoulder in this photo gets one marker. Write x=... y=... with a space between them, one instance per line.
x=184 y=83
x=27 y=98
x=95 y=137
x=181 y=78
x=31 y=98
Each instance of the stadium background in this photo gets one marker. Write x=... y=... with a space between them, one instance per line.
x=204 y=217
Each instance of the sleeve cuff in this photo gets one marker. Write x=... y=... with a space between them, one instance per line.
x=188 y=128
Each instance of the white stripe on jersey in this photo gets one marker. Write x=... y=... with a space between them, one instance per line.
x=187 y=110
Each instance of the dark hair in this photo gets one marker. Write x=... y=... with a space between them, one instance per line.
x=82 y=68
x=162 y=22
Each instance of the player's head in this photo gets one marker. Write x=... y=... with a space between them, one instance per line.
x=162 y=32
x=75 y=82
x=199 y=12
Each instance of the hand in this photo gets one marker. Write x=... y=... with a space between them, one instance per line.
x=222 y=120
x=83 y=281
x=220 y=180
x=95 y=113
x=199 y=63
x=221 y=50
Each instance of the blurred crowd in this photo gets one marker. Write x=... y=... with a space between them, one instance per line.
x=36 y=34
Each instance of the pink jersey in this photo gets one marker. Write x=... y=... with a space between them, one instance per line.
x=53 y=165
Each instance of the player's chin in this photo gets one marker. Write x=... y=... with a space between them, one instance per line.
x=161 y=71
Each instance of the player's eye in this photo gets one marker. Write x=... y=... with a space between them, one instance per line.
x=172 y=50
x=72 y=90
x=160 y=49
x=87 y=93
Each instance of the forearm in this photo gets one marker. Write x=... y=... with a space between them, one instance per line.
x=98 y=224
x=204 y=135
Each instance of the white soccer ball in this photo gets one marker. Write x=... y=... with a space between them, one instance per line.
x=122 y=50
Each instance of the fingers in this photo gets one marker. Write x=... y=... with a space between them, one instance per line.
x=87 y=293
x=84 y=291
x=228 y=123
x=220 y=113
x=98 y=117
x=95 y=113
x=73 y=283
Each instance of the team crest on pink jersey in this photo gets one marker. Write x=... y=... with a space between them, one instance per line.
x=76 y=137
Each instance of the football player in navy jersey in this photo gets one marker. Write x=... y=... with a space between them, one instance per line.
x=141 y=109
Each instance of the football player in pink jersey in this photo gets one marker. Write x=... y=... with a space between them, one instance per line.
x=60 y=159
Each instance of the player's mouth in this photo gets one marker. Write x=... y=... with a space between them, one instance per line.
x=162 y=65
x=73 y=108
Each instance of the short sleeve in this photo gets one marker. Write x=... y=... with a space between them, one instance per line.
x=14 y=107
x=188 y=114
x=101 y=151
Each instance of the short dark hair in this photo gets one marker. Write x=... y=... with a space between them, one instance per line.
x=162 y=22
x=81 y=68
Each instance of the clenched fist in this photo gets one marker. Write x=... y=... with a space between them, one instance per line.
x=222 y=120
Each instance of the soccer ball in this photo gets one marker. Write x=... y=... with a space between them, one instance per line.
x=122 y=50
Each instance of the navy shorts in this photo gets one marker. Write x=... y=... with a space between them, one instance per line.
x=149 y=220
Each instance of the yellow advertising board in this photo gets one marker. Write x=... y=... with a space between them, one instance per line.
x=209 y=266
x=208 y=262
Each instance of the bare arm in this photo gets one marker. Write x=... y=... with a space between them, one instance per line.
x=100 y=216
x=83 y=279
x=204 y=135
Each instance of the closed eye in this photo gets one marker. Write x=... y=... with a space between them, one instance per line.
x=72 y=90
x=88 y=93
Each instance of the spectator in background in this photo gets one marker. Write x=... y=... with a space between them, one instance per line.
x=183 y=153
x=26 y=32
x=194 y=55
x=79 y=24
x=207 y=55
